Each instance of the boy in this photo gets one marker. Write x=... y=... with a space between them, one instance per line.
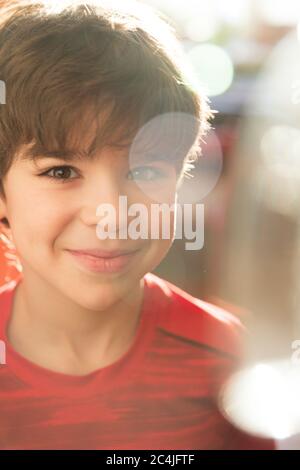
x=100 y=353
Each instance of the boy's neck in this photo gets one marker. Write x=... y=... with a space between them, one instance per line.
x=67 y=338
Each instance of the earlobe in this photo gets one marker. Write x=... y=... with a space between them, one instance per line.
x=5 y=231
x=3 y=218
x=5 y=234
x=4 y=223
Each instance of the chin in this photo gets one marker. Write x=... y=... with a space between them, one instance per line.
x=95 y=305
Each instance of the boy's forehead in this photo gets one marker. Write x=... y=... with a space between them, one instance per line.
x=86 y=145
x=37 y=152
x=164 y=138
x=82 y=140
x=118 y=155
x=80 y=144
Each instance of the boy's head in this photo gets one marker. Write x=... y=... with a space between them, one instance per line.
x=99 y=91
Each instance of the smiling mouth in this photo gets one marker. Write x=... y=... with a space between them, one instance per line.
x=103 y=253
x=103 y=261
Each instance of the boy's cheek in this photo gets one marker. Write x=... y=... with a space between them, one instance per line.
x=35 y=230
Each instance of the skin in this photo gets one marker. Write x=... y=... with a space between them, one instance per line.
x=64 y=317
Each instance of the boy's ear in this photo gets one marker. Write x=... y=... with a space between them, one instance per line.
x=5 y=231
x=3 y=215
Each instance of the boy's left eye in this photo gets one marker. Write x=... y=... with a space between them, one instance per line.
x=60 y=173
x=146 y=173
x=64 y=173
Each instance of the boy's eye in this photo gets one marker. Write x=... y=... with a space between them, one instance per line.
x=146 y=173
x=62 y=173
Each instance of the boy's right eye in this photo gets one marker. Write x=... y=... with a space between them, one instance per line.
x=60 y=173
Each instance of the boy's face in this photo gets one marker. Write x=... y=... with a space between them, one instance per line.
x=49 y=216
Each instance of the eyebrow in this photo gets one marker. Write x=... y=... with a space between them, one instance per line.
x=71 y=155
x=67 y=155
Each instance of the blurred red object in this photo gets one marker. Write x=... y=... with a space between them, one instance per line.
x=9 y=263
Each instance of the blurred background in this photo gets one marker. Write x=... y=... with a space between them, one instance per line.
x=246 y=55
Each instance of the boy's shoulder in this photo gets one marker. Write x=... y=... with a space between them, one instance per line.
x=194 y=320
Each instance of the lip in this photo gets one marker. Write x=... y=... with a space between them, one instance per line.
x=103 y=261
x=102 y=253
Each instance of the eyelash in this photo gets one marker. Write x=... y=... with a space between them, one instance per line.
x=61 y=167
x=158 y=173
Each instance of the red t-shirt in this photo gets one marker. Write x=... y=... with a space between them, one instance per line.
x=161 y=394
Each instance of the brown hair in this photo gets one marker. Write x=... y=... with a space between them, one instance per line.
x=59 y=65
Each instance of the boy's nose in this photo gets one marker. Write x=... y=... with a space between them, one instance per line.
x=105 y=191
